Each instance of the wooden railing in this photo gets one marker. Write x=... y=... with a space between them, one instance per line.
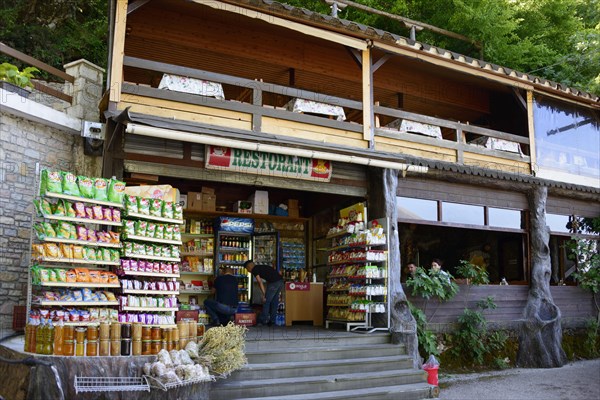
x=9 y=51
x=255 y=106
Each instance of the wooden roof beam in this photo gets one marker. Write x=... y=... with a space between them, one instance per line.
x=284 y=23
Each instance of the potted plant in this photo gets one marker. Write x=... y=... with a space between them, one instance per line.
x=13 y=80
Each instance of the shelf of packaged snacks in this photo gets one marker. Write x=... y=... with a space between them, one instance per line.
x=195 y=254
x=47 y=303
x=155 y=218
x=76 y=261
x=349 y=261
x=82 y=242
x=153 y=240
x=338 y=234
x=132 y=308
x=355 y=246
x=82 y=199
x=154 y=274
x=191 y=291
x=82 y=220
x=79 y=284
x=197 y=235
x=196 y=273
x=222 y=263
x=157 y=258
x=153 y=292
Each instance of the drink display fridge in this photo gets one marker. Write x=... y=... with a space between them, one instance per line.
x=265 y=251
x=233 y=248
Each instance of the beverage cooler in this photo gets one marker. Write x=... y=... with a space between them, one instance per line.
x=265 y=251
x=233 y=248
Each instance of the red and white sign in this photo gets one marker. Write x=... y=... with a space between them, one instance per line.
x=297 y=286
x=271 y=164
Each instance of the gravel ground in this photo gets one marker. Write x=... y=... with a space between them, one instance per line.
x=579 y=380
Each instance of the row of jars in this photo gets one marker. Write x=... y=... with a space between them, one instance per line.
x=117 y=339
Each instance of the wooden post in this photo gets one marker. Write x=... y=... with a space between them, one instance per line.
x=367 y=98
x=382 y=189
x=118 y=51
x=531 y=128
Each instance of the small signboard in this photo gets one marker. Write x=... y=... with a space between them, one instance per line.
x=297 y=286
x=271 y=164
x=233 y=224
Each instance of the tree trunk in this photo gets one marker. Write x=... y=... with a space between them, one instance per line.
x=383 y=184
x=540 y=336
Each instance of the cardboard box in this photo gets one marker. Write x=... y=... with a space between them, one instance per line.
x=246 y=319
x=209 y=202
x=208 y=190
x=194 y=200
x=260 y=202
x=242 y=207
x=186 y=314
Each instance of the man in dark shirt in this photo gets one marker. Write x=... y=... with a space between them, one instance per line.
x=225 y=303
x=270 y=295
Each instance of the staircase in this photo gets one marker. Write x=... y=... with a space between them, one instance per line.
x=300 y=363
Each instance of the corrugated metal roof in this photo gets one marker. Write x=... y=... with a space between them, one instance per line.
x=354 y=28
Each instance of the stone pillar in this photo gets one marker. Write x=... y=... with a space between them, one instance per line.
x=87 y=94
x=383 y=185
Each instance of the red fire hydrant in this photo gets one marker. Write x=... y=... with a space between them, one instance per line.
x=431 y=367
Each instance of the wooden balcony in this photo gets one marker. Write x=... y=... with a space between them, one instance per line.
x=255 y=109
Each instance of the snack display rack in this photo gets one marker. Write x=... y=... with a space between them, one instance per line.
x=357 y=288
x=50 y=264
x=131 y=239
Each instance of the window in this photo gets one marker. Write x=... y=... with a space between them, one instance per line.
x=558 y=223
x=462 y=214
x=409 y=208
x=504 y=218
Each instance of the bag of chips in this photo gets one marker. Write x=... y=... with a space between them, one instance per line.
x=167 y=210
x=39 y=231
x=66 y=250
x=97 y=211
x=131 y=204
x=78 y=252
x=83 y=274
x=143 y=206
x=61 y=275
x=100 y=189
x=105 y=254
x=42 y=207
x=89 y=212
x=95 y=276
x=116 y=191
x=71 y=276
x=92 y=236
x=51 y=250
x=112 y=278
x=89 y=253
x=114 y=255
x=69 y=210
x=51 y=182
x=69 y=184
x=141 y=228
x=151 y=229
x=103 y=276
x=82 y=233
x=178 y=211
x=116 y=215
x=156 y=206
x=107 y=214
x=114 y=237
x=49 y=229
x=38 y=250
x=159 y=233
x=64 y=230
x=59 y=209
x=86 y=187
x=168 y=232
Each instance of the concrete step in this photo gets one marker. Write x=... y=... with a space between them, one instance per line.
x=284 y=387
x=294 y=354
x=322 y=367
x=284 y=338
x=414 y=391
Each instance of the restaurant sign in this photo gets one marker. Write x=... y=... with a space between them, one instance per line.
x=271 y=164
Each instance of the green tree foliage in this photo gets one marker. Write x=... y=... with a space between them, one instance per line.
x=56 y=31
x=555 y=39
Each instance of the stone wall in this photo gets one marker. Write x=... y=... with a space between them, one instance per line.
x=23 y=144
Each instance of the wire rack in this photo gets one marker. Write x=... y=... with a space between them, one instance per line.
x=155 y=383
x=111 y=384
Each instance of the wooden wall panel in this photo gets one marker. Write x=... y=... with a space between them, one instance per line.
x=313 y=132
x=231 y=41
x=501 y=164
x=415 y=149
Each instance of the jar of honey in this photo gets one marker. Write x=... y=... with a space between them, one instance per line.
x=104 y=347
x=136 y=347
x=91 y=348
x=92 y=333
x=146 y=332
x=155 y=335
x=136 y=331
x=115 y=347
x=200 y=330
x=80 y=334
x=79 y=349
x=155 y=347
x=104 y=331
x=146 y=347
x=115 y=331
x=69 y=332
x=68 y=348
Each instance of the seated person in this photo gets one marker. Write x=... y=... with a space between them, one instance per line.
x=410 y=271
x=225 y=303
x=436 y=266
